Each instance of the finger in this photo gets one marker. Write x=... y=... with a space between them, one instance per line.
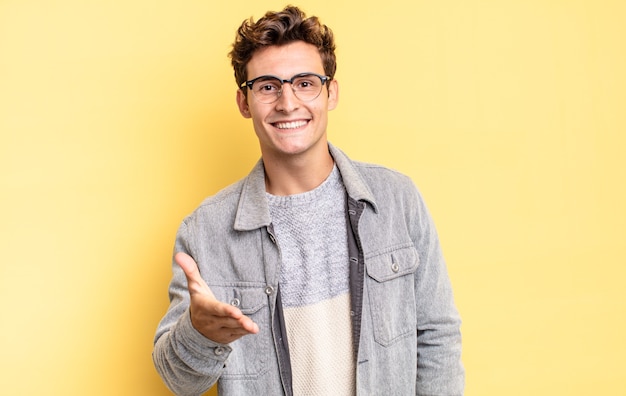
x=243 y=324
x=224 y=315
x=195 y=283
x=229 y=325
x=221 y=309
x=238 y=329
x=249 y=326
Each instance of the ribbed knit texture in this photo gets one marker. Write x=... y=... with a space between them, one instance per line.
x=311 y=232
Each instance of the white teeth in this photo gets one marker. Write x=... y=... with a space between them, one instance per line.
x=290 y=125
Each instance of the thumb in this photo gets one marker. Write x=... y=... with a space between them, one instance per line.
x=195 y=283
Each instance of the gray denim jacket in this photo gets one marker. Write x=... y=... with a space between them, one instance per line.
x=406 y=329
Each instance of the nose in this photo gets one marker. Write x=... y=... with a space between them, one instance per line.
x=287 y=101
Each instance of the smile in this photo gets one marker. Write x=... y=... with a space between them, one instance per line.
x=291 y=124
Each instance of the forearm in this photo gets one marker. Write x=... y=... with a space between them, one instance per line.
x=439 y=368
x=188 y=362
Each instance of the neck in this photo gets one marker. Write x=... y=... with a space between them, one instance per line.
x=290 y=175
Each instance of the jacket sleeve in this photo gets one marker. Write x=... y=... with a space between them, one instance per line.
x=439 y=367
x=188 y=362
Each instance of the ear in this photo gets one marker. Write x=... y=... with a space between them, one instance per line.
x=242 y=103
x=333 y=94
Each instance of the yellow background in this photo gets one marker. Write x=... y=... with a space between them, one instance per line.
x=118 y=117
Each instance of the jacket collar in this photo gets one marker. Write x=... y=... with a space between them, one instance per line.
x=253 y=210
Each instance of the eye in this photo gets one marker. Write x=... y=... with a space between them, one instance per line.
x=306 y=83
x=266 y=86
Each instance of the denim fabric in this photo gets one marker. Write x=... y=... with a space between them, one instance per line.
x=406 y=326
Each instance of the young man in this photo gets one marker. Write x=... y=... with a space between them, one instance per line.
x=314 y=275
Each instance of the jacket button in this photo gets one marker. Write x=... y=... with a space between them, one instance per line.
x=272 y=239
x=219 y=351
x=269 y=290
x=235 y=302
x=395 y=267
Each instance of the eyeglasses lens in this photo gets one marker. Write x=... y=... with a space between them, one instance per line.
x=306 y=87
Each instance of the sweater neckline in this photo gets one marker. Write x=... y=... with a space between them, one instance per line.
x=332 y=182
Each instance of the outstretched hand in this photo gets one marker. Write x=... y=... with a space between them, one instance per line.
x=216 y=320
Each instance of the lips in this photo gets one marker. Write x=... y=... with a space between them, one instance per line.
x=290 y=124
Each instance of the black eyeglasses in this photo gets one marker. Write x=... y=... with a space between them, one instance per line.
x=267 y=89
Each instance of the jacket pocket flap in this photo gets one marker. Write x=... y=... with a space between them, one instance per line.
x=392 y=265
x=250 y=300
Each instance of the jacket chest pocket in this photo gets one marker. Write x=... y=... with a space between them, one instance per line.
x=250 y=353
x=391 y=293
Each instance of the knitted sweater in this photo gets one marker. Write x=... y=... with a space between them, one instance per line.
x=311 y=232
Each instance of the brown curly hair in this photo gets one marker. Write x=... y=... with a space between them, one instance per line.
x=279 y=28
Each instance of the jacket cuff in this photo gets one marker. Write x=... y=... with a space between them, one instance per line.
x=198 y=347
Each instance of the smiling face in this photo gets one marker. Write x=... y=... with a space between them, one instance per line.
x=289 y=126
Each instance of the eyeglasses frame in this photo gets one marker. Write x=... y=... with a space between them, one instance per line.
x=248 y=84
